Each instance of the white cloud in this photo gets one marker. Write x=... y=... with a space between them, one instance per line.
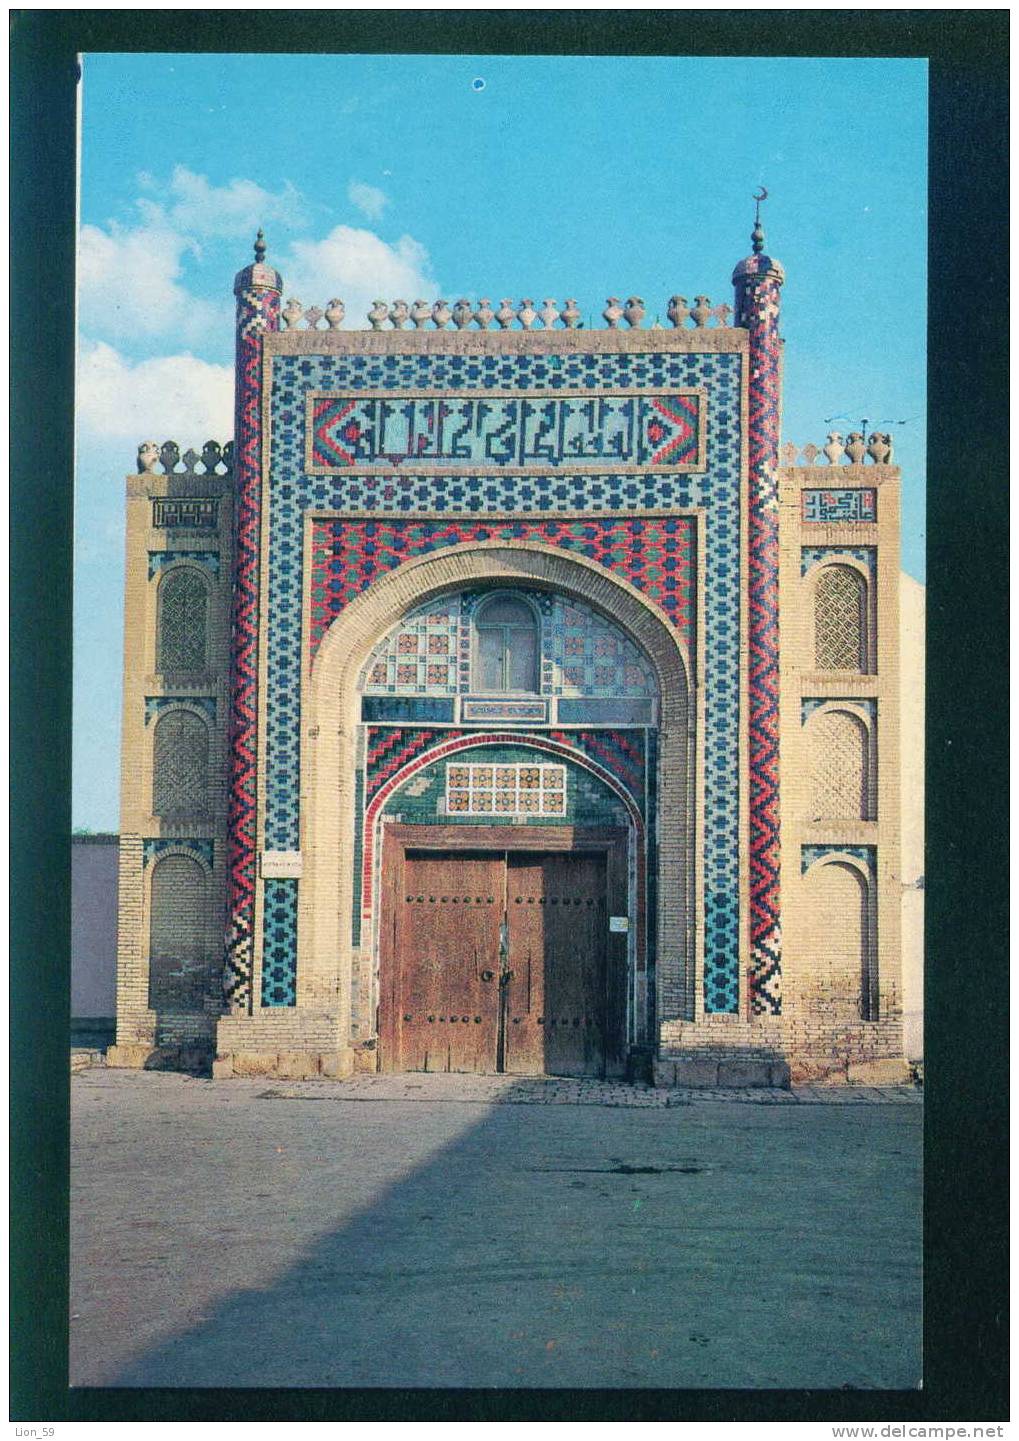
x=368 y=198
x=131 y=279
x=233 y=210
x=170 y=397
x=129 y=284
x=358 y=266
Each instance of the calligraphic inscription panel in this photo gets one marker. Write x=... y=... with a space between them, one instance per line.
x=511 y=432
x=828 y=506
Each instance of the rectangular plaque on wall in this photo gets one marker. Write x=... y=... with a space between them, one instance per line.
x=281 y=865
x=533 y=711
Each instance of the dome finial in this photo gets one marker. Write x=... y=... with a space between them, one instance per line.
x=260 y=247
x=757 y=234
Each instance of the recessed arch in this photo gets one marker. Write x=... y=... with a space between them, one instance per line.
x=841 y=607
x=180 y=762
x=328 y=760
x=178 y=964
x=845 y=964
x=841 y=752
x=182 y=619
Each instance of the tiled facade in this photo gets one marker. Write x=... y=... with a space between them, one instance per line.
x=624 y=488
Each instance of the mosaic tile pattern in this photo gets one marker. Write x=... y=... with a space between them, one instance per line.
x=420 y=655
x=759 y=306
x=153 y=848
x=156 y=703
x=279 y=953
x=426 y=432
x=506 y=789
x=828 y=506
x=258 y=311
x=595 y=711
x=585 y=800
x=866 y=854
x=207 y=559
x=622 y=753
x=406 y=708
x=717 y=491
x=811 y=555
x=430 y=652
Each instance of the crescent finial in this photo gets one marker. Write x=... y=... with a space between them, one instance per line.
x=757 y=237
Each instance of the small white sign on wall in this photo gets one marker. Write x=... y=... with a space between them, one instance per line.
x=619 y=924
x=281 y=865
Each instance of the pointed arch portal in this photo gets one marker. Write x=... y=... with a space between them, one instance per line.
x=331 y=948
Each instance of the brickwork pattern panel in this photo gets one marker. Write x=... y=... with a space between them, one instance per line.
x=182 y=638
x=840 y=620
x=839 y=754
x=180 y=764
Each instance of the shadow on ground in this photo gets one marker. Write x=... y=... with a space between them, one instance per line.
x=407 y=1244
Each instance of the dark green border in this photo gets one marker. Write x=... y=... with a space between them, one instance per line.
x=966 y=1036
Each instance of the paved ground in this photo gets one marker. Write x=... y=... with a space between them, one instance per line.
x=420 y=1231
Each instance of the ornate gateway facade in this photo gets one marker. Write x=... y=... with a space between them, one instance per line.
x=454 y=693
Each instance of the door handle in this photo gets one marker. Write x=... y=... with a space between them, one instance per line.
x=488 y=975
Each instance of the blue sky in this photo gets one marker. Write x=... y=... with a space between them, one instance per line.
x=401 y=176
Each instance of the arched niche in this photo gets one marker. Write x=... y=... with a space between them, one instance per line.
x=842 y=623
x=330 y=715
x=843 y=980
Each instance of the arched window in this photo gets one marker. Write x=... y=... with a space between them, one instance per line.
x=508 y=651
x=180 y=766
x=177 y=968
x=840 y=768
x=183 y=618
x=840 y=620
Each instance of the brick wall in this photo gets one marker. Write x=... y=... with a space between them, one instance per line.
x=843 y=922
x=156 y=548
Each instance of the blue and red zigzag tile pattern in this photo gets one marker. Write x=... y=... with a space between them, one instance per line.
x=655 y=553
x=763 y=679
x=257 y=312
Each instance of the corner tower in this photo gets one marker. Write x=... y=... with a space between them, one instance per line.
x=757 y=281
x=257 y=289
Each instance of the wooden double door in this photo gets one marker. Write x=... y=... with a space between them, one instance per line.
x=502 y=961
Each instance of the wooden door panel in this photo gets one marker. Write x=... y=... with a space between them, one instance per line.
x=448 y=919
x=555 y=996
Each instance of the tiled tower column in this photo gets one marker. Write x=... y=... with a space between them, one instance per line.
x=757 y=281
x=258 y=288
